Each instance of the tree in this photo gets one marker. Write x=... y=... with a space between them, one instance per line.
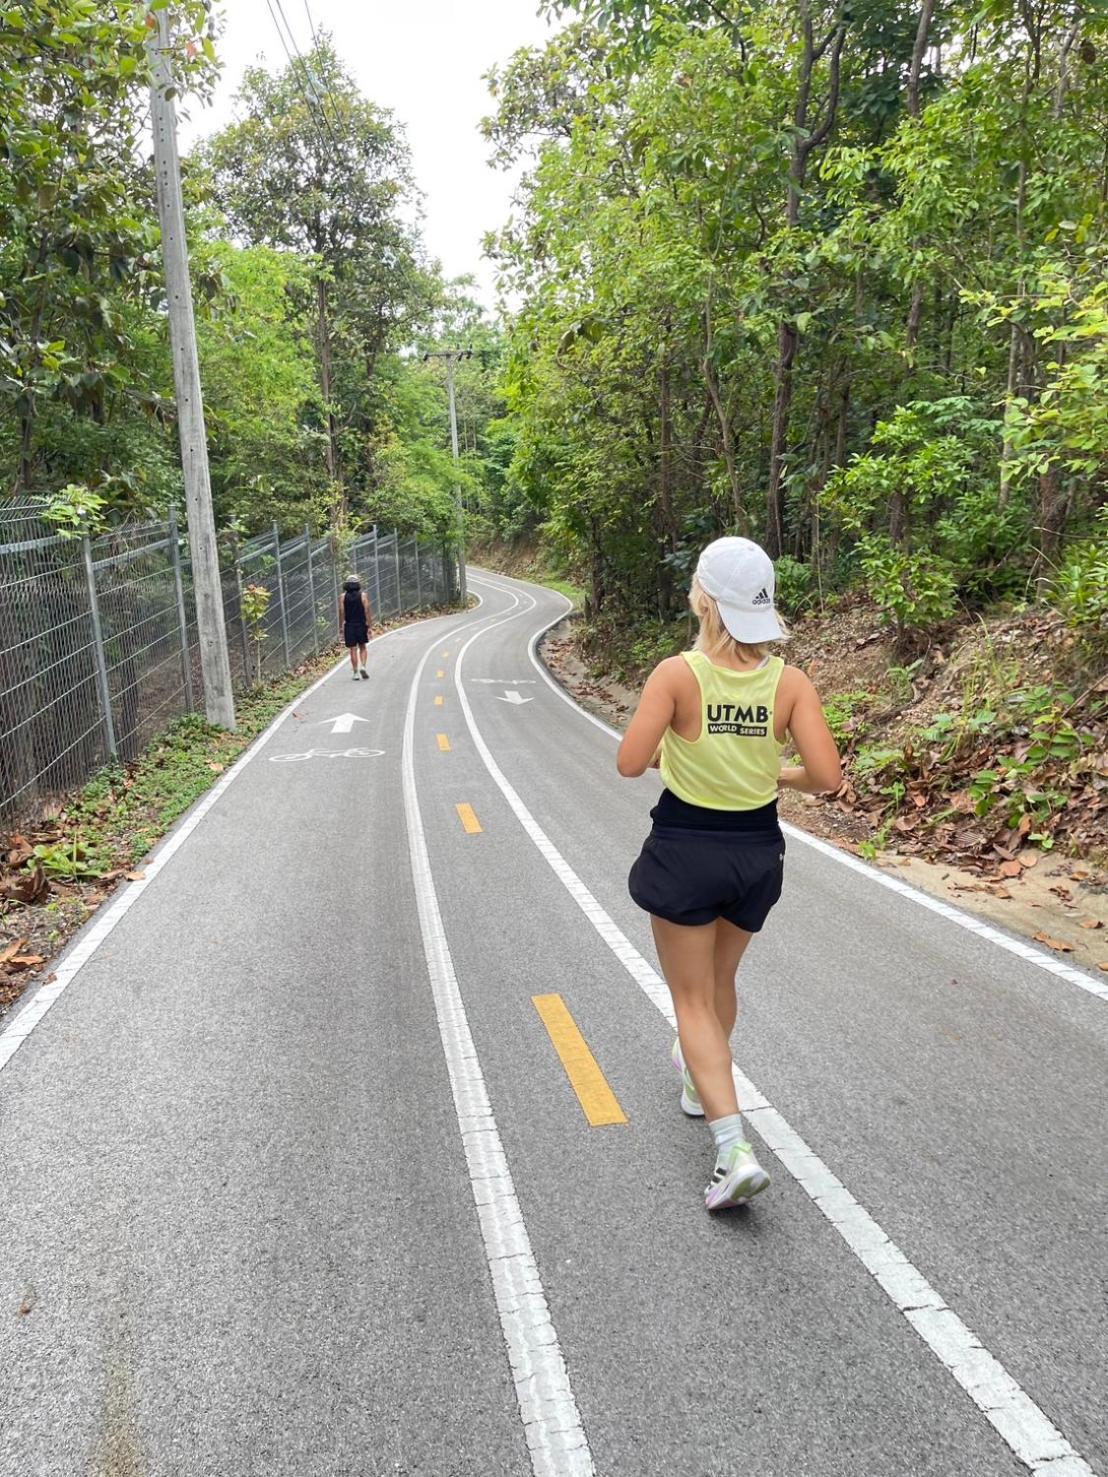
x=315 y=169
x=79 y=279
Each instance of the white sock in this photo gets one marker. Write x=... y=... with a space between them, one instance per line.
x=727 y=1132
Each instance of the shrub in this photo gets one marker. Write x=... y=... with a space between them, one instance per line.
x=794 y=585
x=1081 y=585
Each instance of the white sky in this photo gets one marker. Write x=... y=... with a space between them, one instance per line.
x=424 y=59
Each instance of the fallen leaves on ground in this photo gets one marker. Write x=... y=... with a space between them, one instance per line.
x=1058 y=945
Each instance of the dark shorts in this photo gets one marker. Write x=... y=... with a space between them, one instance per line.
x=694 y=877
x=354 y=634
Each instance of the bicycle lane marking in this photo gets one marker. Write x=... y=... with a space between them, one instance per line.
x=1020 y=1423
x=73 y=960
x=552 y=1425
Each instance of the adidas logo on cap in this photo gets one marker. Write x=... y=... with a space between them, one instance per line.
x=762 y=597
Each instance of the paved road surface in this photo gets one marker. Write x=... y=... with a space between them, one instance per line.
x=293 y=1181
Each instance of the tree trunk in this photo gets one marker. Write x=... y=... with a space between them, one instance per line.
x=787 y=340
x=788 y=337
x=915 y=311
x=1053 y=508
x=334 y=471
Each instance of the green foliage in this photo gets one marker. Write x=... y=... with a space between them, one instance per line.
x=912 y=591
x=1081 y=585
x=75 y=510
x=846 y=716
x=903 y=295
x=795 y=592
x=79 y=279
x=68 y=861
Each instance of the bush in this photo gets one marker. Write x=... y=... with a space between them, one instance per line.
x=795 y=580
x=1081 y=586
x=913 y=591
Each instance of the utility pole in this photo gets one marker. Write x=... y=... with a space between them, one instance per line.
x=215 y=666
x=451 y=357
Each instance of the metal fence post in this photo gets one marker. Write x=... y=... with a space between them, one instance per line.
x=247 y=674
x=376 y=575
x=418 y=577
x=281 y=598
x=182 y=621
x=311 y=590
x=396 y=559
x=98 y=647
x=333 y=545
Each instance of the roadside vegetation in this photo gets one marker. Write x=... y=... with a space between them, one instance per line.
x=56 y=871
x=834 y=280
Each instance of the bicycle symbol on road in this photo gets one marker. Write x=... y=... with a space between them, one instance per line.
x=355 y=753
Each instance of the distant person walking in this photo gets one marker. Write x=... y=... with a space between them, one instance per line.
x=715 y=720
x=355 y=624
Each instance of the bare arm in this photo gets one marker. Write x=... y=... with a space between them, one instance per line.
x=638 y=749
x=368 y=611
x=820 y=770
x=342 y=619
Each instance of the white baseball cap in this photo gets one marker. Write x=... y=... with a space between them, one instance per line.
x=738 y=574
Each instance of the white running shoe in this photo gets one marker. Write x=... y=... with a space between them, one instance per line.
x=738 y=1177
x=690 y=1099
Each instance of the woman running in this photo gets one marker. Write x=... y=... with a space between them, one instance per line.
x=715 y=721
x=355 y=621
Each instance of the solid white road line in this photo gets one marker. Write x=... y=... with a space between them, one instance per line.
x=551 y=1423
x=1013 y=1414
x=81 y=951
x=1019 y=947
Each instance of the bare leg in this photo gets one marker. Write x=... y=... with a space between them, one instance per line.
x=730 y=947
x=353 y=650
x=688 y=960
x=363 y=655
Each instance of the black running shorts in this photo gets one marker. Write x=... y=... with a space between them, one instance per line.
x=694 y=877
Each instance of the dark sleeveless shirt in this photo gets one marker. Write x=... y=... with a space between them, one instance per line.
x=354 y=614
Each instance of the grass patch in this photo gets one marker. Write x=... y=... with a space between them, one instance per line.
x=572 y=592
x=121 y=813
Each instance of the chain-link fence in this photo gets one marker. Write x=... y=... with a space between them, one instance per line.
x=98 y=638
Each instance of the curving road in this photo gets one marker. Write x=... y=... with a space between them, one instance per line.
x=293 y=1179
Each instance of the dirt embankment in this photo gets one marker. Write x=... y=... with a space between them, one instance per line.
x=978 y=772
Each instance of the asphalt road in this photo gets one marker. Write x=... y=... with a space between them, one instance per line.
x=293 y=1180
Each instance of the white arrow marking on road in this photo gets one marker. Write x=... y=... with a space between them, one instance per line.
x=516 y=698
x=344 y=722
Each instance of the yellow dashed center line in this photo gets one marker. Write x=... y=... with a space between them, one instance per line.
x=444 y=742
x=438 y=701
x=440 y=673
x=445 y=655
x=469 y=821
x=599 y=1102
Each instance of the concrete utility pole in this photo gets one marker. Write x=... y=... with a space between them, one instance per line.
x=215 y=666
x=451 y=357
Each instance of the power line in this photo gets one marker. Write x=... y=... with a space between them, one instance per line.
x=310 y=89
x=328 y=91
x=311 y=24
x=314 y=111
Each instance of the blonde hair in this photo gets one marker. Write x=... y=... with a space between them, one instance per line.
x=715 y=640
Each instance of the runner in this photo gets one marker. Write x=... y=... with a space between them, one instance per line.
x=715 y=720
x=355 y=621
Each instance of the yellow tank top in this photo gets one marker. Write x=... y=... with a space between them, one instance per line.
x=736 y=761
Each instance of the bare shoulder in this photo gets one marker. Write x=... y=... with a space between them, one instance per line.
x=796 y=678
x=671 y=672
x=795 y=686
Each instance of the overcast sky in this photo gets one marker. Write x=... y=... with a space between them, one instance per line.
x=424 y=59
